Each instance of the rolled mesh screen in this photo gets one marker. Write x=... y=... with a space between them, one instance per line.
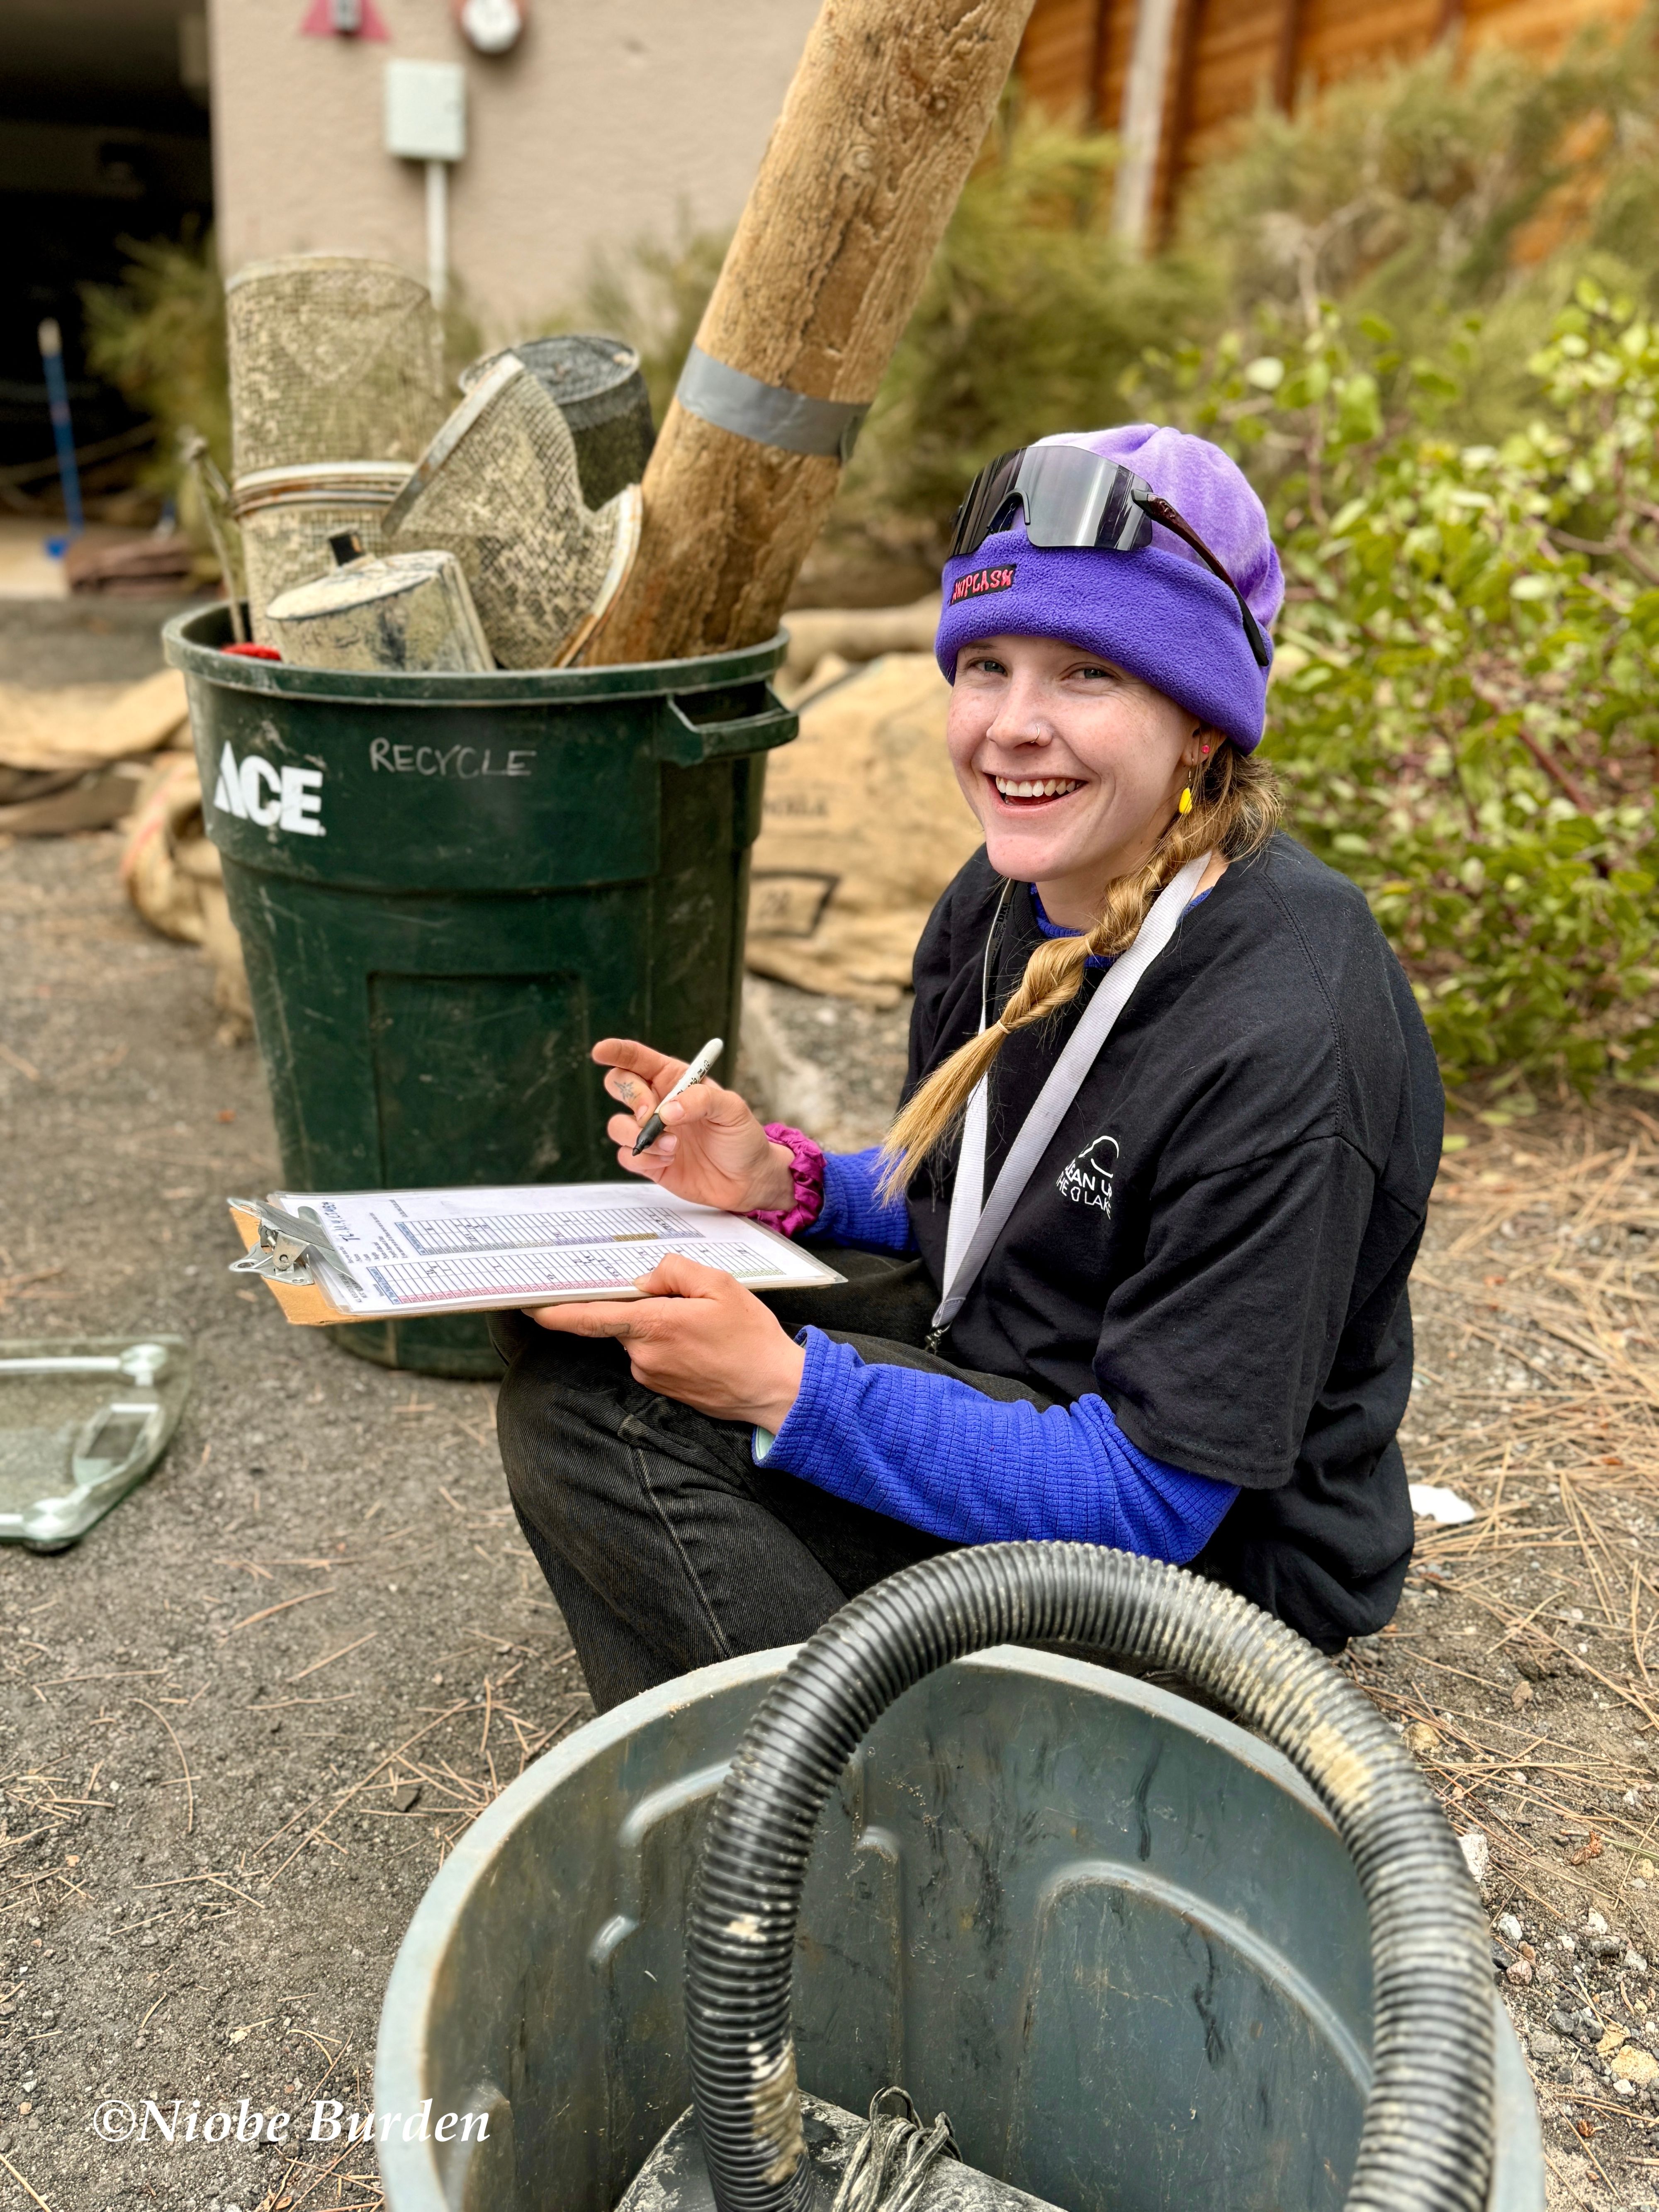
x=331 y=358
x=499 y=487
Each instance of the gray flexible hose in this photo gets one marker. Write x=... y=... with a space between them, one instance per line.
x=1426 y=2145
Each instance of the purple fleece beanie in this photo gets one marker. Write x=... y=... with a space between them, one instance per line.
x=1159 y=613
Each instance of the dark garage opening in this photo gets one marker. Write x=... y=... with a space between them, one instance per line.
x=104 y=136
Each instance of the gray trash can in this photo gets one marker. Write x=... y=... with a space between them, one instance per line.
x=1114 y=1935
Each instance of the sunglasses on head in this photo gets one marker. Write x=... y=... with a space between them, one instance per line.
x=1073 y=497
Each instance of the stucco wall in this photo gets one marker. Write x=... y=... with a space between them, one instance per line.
x=608 y=118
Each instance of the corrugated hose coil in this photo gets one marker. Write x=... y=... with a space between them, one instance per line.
x=1426 y=2144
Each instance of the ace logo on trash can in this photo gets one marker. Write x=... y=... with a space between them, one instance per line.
x=274 y=798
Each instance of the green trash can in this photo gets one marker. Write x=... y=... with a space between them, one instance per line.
x=448 y=886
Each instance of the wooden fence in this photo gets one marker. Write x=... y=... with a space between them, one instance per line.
x=1172 y=76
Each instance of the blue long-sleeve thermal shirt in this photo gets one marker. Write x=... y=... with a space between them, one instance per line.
x=938 y=1455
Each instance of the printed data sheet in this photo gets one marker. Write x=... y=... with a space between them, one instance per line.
x=533 y=1245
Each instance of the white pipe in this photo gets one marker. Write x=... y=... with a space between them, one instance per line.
x=1140 y=125
x=437 y=231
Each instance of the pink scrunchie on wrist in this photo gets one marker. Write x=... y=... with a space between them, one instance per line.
x=806 y=1173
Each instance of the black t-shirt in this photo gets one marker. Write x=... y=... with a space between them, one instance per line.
x=1217 y=1238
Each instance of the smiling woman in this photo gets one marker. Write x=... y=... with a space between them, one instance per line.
x=1131 y=1266
x=1071 y=764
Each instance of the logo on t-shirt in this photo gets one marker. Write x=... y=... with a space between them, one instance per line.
x=978 y=581
x=1087 y=1180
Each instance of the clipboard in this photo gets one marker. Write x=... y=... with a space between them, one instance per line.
x=399 y=1255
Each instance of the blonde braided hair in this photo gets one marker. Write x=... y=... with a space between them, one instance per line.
x=1237 y=806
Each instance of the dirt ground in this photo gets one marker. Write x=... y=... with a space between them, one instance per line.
x=245 y=1719
x=242 y=1723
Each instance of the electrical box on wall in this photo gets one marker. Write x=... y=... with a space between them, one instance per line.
x=425 y=111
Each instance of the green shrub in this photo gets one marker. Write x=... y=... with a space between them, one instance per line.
x=652 y=296
x=1409 y=192
x=1405 y=194
x=159 y=338
x=1031 y=317
x=1466 y=704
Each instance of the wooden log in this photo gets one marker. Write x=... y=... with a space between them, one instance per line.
x=887 y=112
x=858 y=634
x=1141 y=125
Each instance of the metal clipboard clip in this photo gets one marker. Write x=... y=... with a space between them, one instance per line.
x=288 y=1246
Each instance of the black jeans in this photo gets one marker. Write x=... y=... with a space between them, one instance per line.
x=665 y=1546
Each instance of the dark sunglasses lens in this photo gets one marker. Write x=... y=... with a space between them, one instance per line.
x=989 y=493
x=1122 y=524
x=1075 y=497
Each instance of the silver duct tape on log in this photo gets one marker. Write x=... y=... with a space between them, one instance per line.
x=768 y=413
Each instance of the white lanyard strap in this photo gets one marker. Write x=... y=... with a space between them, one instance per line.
x=974 y=1226
x=970 y=1163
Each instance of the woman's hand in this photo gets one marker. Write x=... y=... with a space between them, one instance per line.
x=699 y=1336
x=712 y=1151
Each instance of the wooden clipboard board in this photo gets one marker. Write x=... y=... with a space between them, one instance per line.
x=307 y=1305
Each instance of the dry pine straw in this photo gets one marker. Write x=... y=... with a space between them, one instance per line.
x=1523 y=1665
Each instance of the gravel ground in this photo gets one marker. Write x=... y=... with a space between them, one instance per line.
x=318 y=1609
x=242 y=1722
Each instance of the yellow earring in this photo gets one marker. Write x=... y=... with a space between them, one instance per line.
x=1185 y=804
